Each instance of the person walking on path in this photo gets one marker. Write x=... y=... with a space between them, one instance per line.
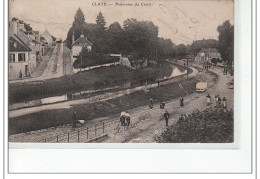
x=20 y=74
x=208 y=100
x=162 y=105
x=158 y=81
x=219 y=101
x=181 y=101
x=122 y=118
x=151 y=103
x=166 y=117
x=74 y=119
x=127 y=119
x=216 y=100
x=224 y=102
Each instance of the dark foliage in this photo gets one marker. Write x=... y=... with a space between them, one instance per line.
x=93 y=59
x=226 y=41
x=208 y=126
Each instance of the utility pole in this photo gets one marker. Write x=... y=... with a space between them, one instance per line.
x=187 y=68
x=80 y=60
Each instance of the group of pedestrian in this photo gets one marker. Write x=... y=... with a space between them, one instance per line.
x=225 y=71
x=217 y=101
x=125 y=118
x=207 y=67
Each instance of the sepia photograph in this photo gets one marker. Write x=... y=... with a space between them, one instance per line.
x=121 y=71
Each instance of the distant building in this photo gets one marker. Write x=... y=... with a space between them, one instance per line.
x=18 y=57
x=48 y=37
x=78 y=45
x=207 y=54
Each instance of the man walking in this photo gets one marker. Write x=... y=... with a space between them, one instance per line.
x=208 y=100
x=20 y=74
x=224 y=102
x=74 y=119
x=166 y=117
x=151 y=103
x=216 y=100
x=181 y=101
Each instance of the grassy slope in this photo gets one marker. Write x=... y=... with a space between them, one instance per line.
x=54 y=118
x=95 y=79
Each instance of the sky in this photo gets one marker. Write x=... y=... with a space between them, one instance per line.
x=182 y=21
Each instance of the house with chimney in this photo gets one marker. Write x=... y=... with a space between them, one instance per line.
x=18 y=57
x=26 y=37
x=79 y=44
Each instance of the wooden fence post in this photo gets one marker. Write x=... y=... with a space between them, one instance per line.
x=68 y=137
x=78 y=136
x=103 y=127
x=87 y=132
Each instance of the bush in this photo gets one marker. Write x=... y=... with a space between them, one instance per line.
x=93 y=59
x=208 y=126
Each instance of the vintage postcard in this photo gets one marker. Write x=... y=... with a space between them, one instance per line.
x=87 y=71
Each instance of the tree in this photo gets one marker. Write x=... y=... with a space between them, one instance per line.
x=77 y=27
x=100 y=20
x=198 y=45
x=115 y=36
x=79 y=18
x=181 y=50
x=226 y=41
x=141 y=37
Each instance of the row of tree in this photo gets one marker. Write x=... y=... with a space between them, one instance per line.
x=136 y=38
x=224 y=44
x=140 y=39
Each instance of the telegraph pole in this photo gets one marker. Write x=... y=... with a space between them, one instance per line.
x=187 y=68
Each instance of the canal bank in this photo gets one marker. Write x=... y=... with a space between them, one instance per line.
x=95 y=79
x=60 y=114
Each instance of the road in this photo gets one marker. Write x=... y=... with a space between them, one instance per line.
x=55 y=65
x=146 y=129
x=146 y=123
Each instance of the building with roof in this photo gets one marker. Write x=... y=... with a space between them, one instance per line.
x=78 y=45
x=48 y=37
x=18 y=57
x=207 y=54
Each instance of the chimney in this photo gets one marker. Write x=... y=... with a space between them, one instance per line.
x=73 y=38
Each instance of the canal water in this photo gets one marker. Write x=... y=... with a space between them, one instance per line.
x=176 y=71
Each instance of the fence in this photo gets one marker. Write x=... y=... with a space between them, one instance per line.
x=81 y=135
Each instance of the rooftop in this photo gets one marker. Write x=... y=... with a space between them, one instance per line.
x=17 y=45
x=82 y=40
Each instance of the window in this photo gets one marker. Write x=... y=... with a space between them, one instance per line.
x=11 y=57
x=21 y=57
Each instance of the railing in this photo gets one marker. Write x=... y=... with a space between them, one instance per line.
x=81 y=135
